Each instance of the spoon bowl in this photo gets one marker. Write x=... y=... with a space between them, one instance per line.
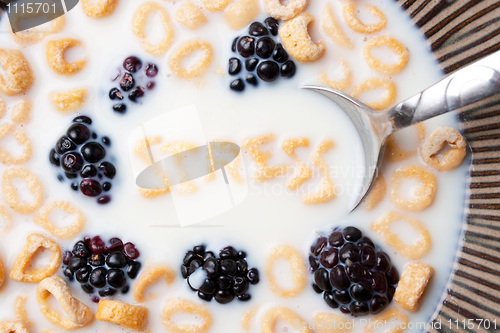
x=471 y=84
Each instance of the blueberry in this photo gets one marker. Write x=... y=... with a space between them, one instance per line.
x=246 y=46
x=234 y=66
x=224 y=296
x=98 y=277
x=251 y=64
x=88 y=171
x=64 y=144
x=82 y=119
x=119 y=107
x=272 y=24
x=352 y=234
x=93 y=152
x=127 y=82
x=82 y=274
x=279 y=53
x=228 y=252
x=288 y=69
x=106 y=186
x=116 y=278
x=54 y=158
x=115 y=93
x=133 y=269
x=264 y=47
x=251 y=79
x=78 y=133
x=136 y=93
x=90 y=187
x=257 y=29
x=253 y=276
x=116 y=260
x=268 y=71
x=132 y=64
x=237 y=85
x=151 y=70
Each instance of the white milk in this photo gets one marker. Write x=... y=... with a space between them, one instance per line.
x=271 y=214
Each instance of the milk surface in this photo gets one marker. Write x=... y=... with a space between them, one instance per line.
x=270 y=214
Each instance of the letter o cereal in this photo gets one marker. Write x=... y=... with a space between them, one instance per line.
x=16 y=76
x=132 y=317
x=42 y=218
x=380 y=66
x=139 y=24
x=11 y=195
x=376 y=83
x=424 y=194
x=19 y=134
x=274 y=315
x=100 y=8
x=149 y=277
x=295 y=37
x=77 y=314
x=355 y=24
x=285 y=12
x=184 y=51
x=55 y=56
x=179 y=305
x=297 y=266
x=415 y=251
x=22 y=270
x=436 y=141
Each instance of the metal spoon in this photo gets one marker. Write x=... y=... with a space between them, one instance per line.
x=470 y=84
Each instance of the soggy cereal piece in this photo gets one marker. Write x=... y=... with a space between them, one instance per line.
x=139 y=24
x=285 y=12
x=55 y=51
x=176 y=306
x=22 y=270
x=264 y=172
x=8 y=326
x=43 y=218
x=355 y=23
x=20 y=311
x=132 y=317
x=412 y=285
x=298 y=269
x=241 y=14
x=327 y=190
x=19 y=134
x=304 y=173
x=373 y=84
x=21 y=111
x=377 y=193
x=98 y=8
x=332 y=323
x=394 y=153
x=333 y=29
x=271 y=318
x=216 y=5
x=2 y=273
x=149 y=277
x=6 y=219
x=69 y=101
x=424 y=193
x=16 y=76
x=388 y=316
x=34 y=35
x=295 y=37
x=247 y=318
x=342 y=84
x=76 y=314
x=436 y=141
x=11 y=195
x=395 y=46
x=3 y=108
x=141 y=149
x=417 y=249
x=190 y=15
x=187 y=49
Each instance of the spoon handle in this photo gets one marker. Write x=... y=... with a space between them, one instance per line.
x=470 y=84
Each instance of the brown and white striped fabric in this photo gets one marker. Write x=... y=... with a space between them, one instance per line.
x=460 y=32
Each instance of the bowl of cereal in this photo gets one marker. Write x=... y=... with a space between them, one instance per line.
x=248 y=226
